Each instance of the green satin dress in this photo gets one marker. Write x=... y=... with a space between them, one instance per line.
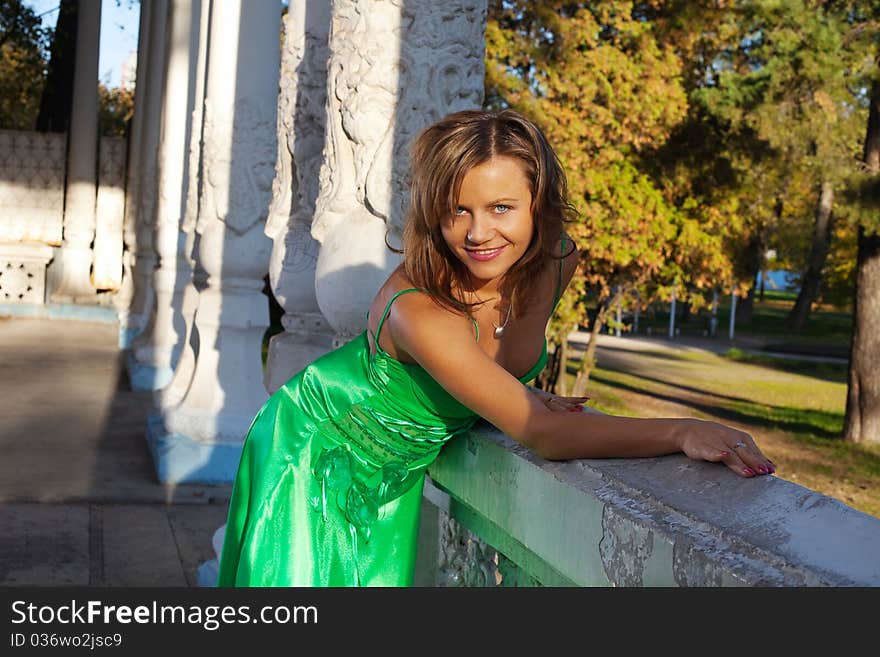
x=329 y=486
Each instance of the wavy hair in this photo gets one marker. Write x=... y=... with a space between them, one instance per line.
x=441 y=156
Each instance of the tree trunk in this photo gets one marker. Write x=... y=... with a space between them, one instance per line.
x=685 y=312
x=589 y=359
x=560 y=383
x=754 y=259
x=552 y=377
x=862 y=423
x=797 y=318
x=56 y=102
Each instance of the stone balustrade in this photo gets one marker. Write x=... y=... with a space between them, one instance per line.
x=495 y=514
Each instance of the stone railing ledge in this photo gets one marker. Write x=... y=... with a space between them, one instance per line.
x=667 y=521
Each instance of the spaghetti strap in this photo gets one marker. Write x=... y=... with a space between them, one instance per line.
x=388 y=309
x=559 y=281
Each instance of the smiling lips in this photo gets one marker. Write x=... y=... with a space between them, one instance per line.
x=484 y=254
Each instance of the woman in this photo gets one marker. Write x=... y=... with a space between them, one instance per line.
x=330 y=480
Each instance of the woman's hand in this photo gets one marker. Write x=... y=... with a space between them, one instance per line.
x=711 y=441
x=559 y=404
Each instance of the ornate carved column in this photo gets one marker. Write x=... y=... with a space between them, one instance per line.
x=145 y=257
x=200 y=438
x=68 y=274
x=154 y=352
x=175 y=391
x=301 y=128
x=124 y=297
x=395 y=67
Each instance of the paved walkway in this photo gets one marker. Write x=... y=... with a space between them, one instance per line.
x=719 y=345
x=79 y=501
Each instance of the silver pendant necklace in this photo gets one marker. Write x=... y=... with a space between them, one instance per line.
x=499 y=330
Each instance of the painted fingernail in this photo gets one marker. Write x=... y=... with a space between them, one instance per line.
x=772 y=469
x=762 y=469
x=725 y=453
x=574 y=410
x=749 y=471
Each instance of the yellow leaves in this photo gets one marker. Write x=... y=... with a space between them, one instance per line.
x=21 y=84
x=823 y=100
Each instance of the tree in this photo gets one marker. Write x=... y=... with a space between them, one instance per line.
x=862 y=422
x=115 y=110
x=56 y=102
x=23 y=43
x=603 y=89
x=776 y=80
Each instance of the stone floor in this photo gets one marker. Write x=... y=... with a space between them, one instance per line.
x=79 y=501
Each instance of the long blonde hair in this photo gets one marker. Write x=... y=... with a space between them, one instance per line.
x=441 y=156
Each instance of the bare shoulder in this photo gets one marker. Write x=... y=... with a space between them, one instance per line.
x=443 y=343
x=418 y=323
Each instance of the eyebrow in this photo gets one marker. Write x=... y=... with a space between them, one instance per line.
x=498 y=200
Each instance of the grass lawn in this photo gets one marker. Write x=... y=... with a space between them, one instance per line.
x=793 y=409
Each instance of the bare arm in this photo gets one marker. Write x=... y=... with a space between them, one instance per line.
x=443 y=344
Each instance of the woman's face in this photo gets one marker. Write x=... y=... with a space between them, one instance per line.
x=492 y=225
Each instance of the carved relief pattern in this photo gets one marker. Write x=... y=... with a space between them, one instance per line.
x=625 y=548
x=301 y=128
x=465 y=560
x=31 y=186
x=393 y=70
x=239 y=159
x=147 y=211
x=21 y=282
x=191 y=211
x=282 y=192
x=201 y=14
x=107 y=271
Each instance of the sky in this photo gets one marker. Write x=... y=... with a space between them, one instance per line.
x=119 y=33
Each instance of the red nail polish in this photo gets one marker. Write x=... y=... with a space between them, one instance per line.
x=725 y=453
x=749 y=471
x=762 y=469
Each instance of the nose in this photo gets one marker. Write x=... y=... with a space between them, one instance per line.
x=480 y=229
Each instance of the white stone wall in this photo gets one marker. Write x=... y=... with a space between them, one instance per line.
x=31 y=186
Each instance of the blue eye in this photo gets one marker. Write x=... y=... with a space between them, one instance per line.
x=502 y=209
x=459 y=211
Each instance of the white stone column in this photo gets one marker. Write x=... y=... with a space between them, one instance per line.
x=175 y=391
x=201 y=438
x=109 y=213
x=394 y=69
x=125 y=295
x=301 y=134
x=154 y=352
x=145 y=257
x=68 y=274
